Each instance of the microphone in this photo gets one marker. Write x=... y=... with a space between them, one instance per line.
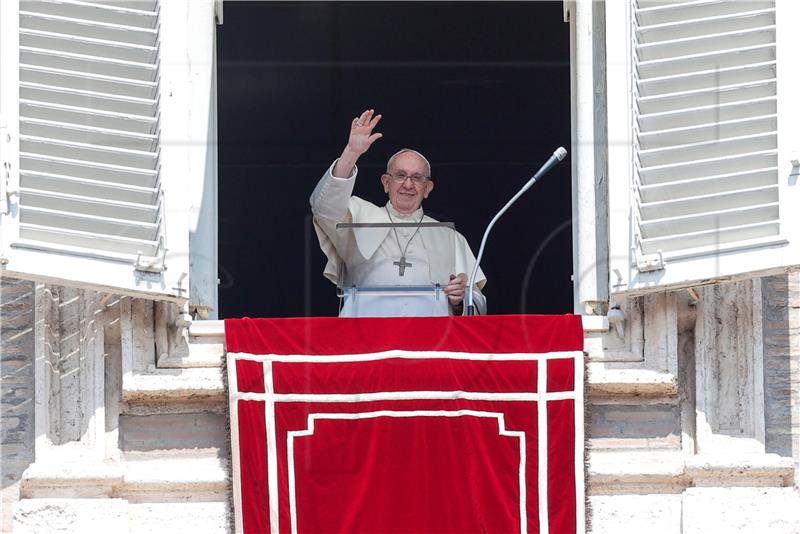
x=559 y=154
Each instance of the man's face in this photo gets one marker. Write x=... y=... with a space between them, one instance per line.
x=407 y=195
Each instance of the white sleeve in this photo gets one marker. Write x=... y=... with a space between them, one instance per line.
x=465 y=263
x=330 y=200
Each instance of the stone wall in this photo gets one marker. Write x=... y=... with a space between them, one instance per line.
x=719 y=451
x=635 y=424
x=693 y=422
x=95 y=434
x=16 y=390
x=199 y=432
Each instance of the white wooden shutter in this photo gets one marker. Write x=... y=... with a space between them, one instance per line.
x=88 y=125
x=700 y=139
x=94 y=202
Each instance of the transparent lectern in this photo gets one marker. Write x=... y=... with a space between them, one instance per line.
x=394 y=269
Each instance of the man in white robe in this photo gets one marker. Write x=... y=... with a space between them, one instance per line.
x=403 y=255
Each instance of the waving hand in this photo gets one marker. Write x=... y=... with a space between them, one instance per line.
x=361 y=138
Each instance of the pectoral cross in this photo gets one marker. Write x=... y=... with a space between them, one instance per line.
x=401 y=265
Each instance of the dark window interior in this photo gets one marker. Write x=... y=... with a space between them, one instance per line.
x=481 y=88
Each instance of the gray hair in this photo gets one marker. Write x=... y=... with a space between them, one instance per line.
x=390 y=163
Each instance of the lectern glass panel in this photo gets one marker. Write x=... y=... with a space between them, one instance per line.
x=395 y=269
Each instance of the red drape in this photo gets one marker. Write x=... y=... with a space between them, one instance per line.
x=407 y=424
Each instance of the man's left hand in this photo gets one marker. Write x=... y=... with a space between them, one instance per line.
x=456 y=288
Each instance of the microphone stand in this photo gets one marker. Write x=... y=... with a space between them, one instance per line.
x=559 y=154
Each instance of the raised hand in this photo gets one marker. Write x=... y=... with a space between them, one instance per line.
x=361 y=138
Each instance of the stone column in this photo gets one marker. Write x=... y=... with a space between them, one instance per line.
x=729 y=373
x=781 y=331
x=71 y=448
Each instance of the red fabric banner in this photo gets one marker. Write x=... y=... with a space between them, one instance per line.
x=436 y=425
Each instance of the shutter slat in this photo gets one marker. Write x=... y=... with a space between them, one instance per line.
x=686 y=29
x=690 y=11
x=33 y=74
x=693 y=116
x=707 y=185
x=696 y=204
x=88 y=116
x=88 y=152
x=117 y=68
x=721 y=148
x=709 y=61
x=88 y=135
x=87 y=242
x=708 y=132
x=83 y=222
x=710 y=220
x=693 y=99
x=695 y=243
x=66 y=96
x=654 y=3
x=78 y=44
x=676 y=48
x=95 y=12
x=83 y=205
x=710 y=81
x=90 y=188
x=90 y=29
x=749 y=161
x=144 y=5
x=90 y=170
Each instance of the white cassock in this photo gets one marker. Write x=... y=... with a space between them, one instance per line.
x=379 y=250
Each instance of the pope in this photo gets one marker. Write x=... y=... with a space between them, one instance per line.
x=408 y=182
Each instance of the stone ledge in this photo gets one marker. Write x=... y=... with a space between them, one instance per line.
x=73 y=479
x=630 y=382
x=176 y=472
x=194 y=383
x=197 y=375
x=740 y=470
x=202 y=353
x=157 y=480
x=179 y=385
x=594 y=323
x=209 y=328
x=631 y=472
x=183 y=479
x=671 y=471
x=216 y=328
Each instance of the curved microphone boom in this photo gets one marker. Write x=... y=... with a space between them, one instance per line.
x=557 y=156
